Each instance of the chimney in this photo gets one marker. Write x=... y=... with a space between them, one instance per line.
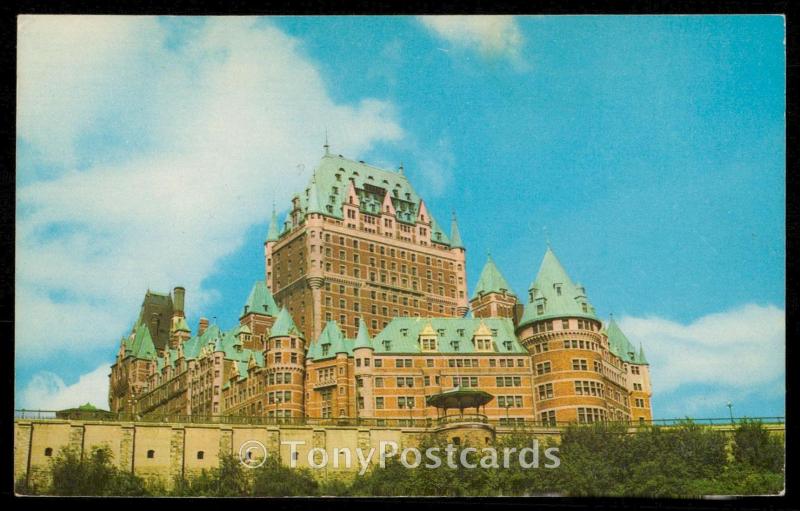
x=201 y=329
x=178 y=295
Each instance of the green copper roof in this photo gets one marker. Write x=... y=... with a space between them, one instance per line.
x=260 y=301
x=619 y=345
x=491 y=280
x=454 y=335
x=641 y=358
x=327 y=192
x=181 y=325
x=362 y=338
x=330 y=342
x=455 y=236
x=554 y=295
x=272 y=233
x=142 y=346
x=284 y=325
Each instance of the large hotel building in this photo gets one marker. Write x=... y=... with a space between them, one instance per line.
x=364 y=314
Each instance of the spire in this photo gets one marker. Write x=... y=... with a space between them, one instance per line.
x=313 y=201
x=260 y=301
x=284 y=325
x=272 y=234
x=641 y=358
x=491 y=280
x=455 y=236
x=326 y=146
x=400 y=170
x=362 y=338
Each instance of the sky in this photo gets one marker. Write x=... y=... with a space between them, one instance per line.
x=649 y=151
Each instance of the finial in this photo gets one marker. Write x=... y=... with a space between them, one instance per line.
x=401 y=168
x=326 y=146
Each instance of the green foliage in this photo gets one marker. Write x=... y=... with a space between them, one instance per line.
x=227 y=480
x=276 y=480
x=687 y=460
x=95 y=475
x=754 y=446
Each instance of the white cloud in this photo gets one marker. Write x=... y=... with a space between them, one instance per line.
x=228 y=114
x=47 y=391
x=490 y=35
x=736 y=353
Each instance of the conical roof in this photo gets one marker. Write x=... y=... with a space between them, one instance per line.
x=260 y=301
x=284 y=325
x=491 y=280
x=272 y=233
x=362 y=338
x=554 y=295
x=455 y=235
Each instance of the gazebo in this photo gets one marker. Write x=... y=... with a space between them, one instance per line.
x=460 y=399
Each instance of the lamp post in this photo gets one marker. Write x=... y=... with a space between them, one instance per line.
x=730 y=410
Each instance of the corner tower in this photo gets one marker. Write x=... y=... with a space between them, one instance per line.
x=574 y=371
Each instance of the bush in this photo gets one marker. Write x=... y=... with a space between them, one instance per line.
x=96 y=475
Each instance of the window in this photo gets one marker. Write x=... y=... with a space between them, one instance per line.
x=543 y=368
x=151 y=454
x=379 y=403
x=565 y=324
x=579 y=364
x=428 y=344
x=634 y=369
x=637 y=386
x=378 y=362
x=48 y=451
x=545 y=391
x=548 y=418
x=589 y=415
x=405 y=402
x=200 y=455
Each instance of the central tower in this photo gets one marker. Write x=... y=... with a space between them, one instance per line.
x=359 y=244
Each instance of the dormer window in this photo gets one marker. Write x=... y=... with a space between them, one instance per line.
x=558 y=289
x=387 y=345
x=483 y=344
x=540 y=309
x=584 y=307
x=455 y=345
x=339 y=176
x=460 y=332
x=325 y=349
x=494 y=332
x=404 y=331
x=507 y=345
x=428 y=343
x=440 y=331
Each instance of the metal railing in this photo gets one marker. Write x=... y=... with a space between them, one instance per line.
x=415 y=422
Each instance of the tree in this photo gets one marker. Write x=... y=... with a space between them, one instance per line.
x=276 y=480
x=753 y=445
x=96 y=475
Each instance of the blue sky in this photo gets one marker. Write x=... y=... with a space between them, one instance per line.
x=649 y=149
